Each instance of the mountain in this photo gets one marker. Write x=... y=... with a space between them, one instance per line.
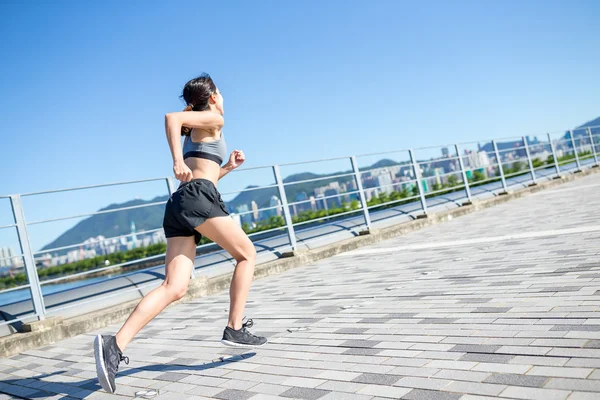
x=115 y=223
x=580 y=131
x=594 y=122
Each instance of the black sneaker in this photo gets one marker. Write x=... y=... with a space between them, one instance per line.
x=242 y=338
x=108 y=357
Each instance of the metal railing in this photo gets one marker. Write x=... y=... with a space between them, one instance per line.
x=466 y=164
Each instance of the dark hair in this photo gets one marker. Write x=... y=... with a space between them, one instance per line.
x=196 y=94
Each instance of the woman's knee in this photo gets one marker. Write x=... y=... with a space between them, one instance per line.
x=247 y=253
x=176 y=291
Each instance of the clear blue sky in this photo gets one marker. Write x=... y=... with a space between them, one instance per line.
x=84 y=86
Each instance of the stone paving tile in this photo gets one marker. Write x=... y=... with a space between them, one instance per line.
x=534 y=393
x=517 y=380
x=504 y=319
x=379 y=379
x=384 y=391
x=231 y=394
x=304 y=393
x=419 y=394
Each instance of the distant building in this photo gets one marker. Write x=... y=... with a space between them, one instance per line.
x=384 y=182
x=254 y=210
x=274 y=201
x=6 y=256
x=333 y=202
x=244 y=213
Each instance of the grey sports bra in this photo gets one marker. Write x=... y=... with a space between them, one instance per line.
x=215 y=151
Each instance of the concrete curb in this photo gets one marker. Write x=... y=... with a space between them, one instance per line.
x=203 y=286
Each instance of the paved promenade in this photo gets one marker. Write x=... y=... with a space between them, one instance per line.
x=501 y=303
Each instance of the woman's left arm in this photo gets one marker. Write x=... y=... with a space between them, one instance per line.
x=236 y=159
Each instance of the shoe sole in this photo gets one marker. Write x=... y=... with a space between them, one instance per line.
x=241 y=345
x=100 y=365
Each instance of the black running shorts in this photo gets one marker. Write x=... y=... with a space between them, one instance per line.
x=192 y=204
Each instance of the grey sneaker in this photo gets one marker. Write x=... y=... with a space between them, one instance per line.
x=108 y=356
x=242 y=338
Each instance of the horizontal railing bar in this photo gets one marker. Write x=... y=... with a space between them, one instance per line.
x=97 y=213
x=279 y=228
x=325 y=197
x=522 y=172
x=8 y=226
x=511 y=149
x=437 y=160
x=439 y=147
x=93 y=186
x=460 y=186
x=12 y=289
x=126 y=263
x=408 y=164
x=315 y=161
x=250 y=189
x=440 y=175
x=251 y=168
x=260 y=209
x=490 y=154
x=392 y=202
x=390 y=184
x=545 y=166
x=379 y=153
x=489 y=179
x=11 y=257
x=105 y=239
x=29 y=317
x=318 y=179
x=327 y=217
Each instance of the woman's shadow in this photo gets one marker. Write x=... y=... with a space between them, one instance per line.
x=16 y=386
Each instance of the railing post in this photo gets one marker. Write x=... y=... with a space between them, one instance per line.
x=575 y=150
x=286 y=210
x=30 y=269
x=554 y=156
x=464 y=175
x=417 y=172
x=361 y=192
x=501 y=169
x=593 y=146
x=170 y=185
x=531 y=169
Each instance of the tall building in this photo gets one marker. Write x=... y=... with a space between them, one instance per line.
x=243 y=211
x=313 y=203
x=333 y=202
x=133 y=235
x=384 y=182
x=275 y=202
x=6 y=256
x=254 y=210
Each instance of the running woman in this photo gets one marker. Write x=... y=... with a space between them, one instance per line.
x=196 y=209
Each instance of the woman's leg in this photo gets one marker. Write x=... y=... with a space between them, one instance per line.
x=225 y=232
x=179 y=262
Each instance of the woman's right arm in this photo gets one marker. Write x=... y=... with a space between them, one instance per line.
x=206 y=120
